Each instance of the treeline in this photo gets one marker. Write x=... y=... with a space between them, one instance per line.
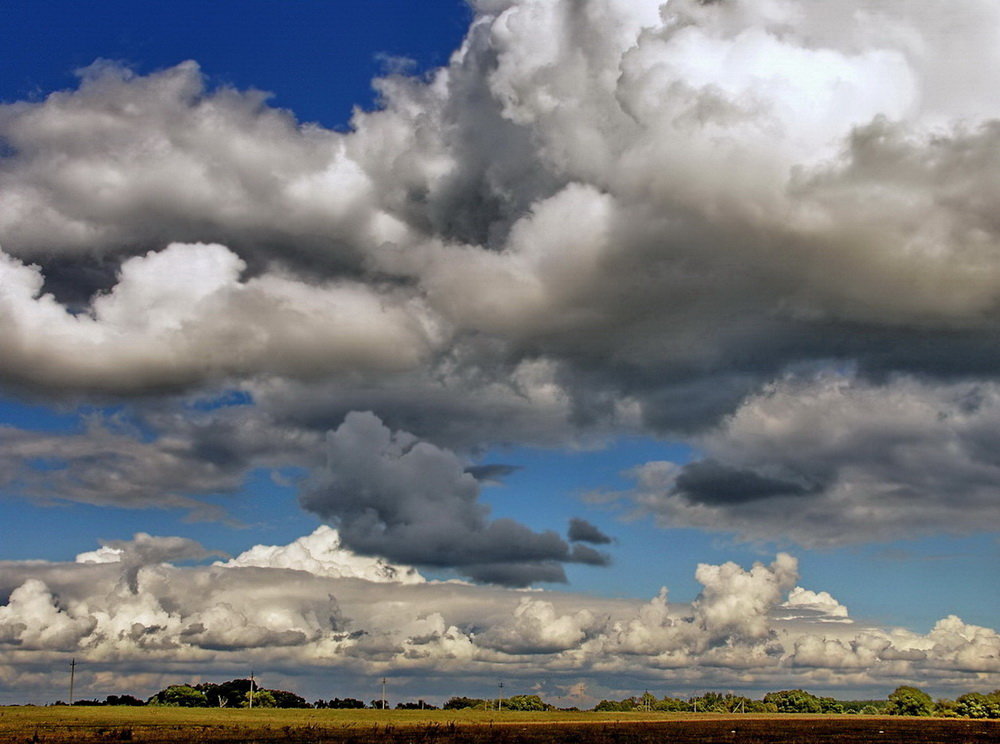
x=904 y=701
x=236 y=693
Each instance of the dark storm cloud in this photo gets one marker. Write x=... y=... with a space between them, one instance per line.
x=492 y=472
x=870 y=462
x=580 y=530
x=711 y=482
x=393 y=495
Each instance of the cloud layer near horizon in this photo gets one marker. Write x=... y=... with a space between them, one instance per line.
x=599 y=218
x=313 y=606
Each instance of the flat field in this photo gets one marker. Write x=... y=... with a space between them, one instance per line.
x=58 y=725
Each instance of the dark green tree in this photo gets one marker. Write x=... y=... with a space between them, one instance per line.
x=909 y=701
x=180 y=696
x=794 y=701
x=458 y=703
x=525 y=702
x=286 y=699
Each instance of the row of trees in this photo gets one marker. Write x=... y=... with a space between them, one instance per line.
x=514 y=702
x=904 y=701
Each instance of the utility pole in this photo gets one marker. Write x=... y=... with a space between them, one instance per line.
x=500 y=697
x=250 y=695
x=72 y=679
x=383 y=694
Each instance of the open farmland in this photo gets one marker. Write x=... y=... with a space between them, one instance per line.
x=54 y=725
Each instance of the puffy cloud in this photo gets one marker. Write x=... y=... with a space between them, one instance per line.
x=536 y=629
x=820 y=605
x=144 y=550
x=322 y=554
x=205 y=619
x=735 y=602
x=183 y=315
x=393 y=495
x=832 y=459
x=654 y=202
x=32 y=619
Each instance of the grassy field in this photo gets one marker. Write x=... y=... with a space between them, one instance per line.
x=55 y=725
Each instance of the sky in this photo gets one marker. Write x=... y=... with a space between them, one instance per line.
x=593 y=346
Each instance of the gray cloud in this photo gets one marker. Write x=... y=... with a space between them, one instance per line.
x=580 y=530
x=393 y=495
x=711 y=482
x=858 y=462
x=494 y=472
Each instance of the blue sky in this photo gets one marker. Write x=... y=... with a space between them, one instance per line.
x=702 y=386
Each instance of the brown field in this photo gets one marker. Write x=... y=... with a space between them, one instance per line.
x=56 y=725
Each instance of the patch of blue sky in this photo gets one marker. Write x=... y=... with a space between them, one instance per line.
x=226 y=399
x=264 y=511
x=23 y=414
x=549 y=486
x=907 y=582
x=317 y=57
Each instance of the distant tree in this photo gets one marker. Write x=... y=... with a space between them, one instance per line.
x=339 y=703
x=978 y=705
x=261 y=699
x=458 y=703
x=526 y=702
x=909 y=701
x=419 y=705
x=671 y=704
x=180 y=696
x=858 y=706
x=794 y=701
x=946 y=708
x=123 y=700
x=231 y=694
x=616 y=706
x=830 y=705
x=286 y=699
x=710 y=702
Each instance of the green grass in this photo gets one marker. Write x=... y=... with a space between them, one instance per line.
x=154 y=725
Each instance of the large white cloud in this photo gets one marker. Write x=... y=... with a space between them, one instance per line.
x=628 y=191
x=205 y=619
x=322 y=554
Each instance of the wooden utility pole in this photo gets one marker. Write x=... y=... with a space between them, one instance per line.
x=383 y=694
x=72 y=679
x=500 y=696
